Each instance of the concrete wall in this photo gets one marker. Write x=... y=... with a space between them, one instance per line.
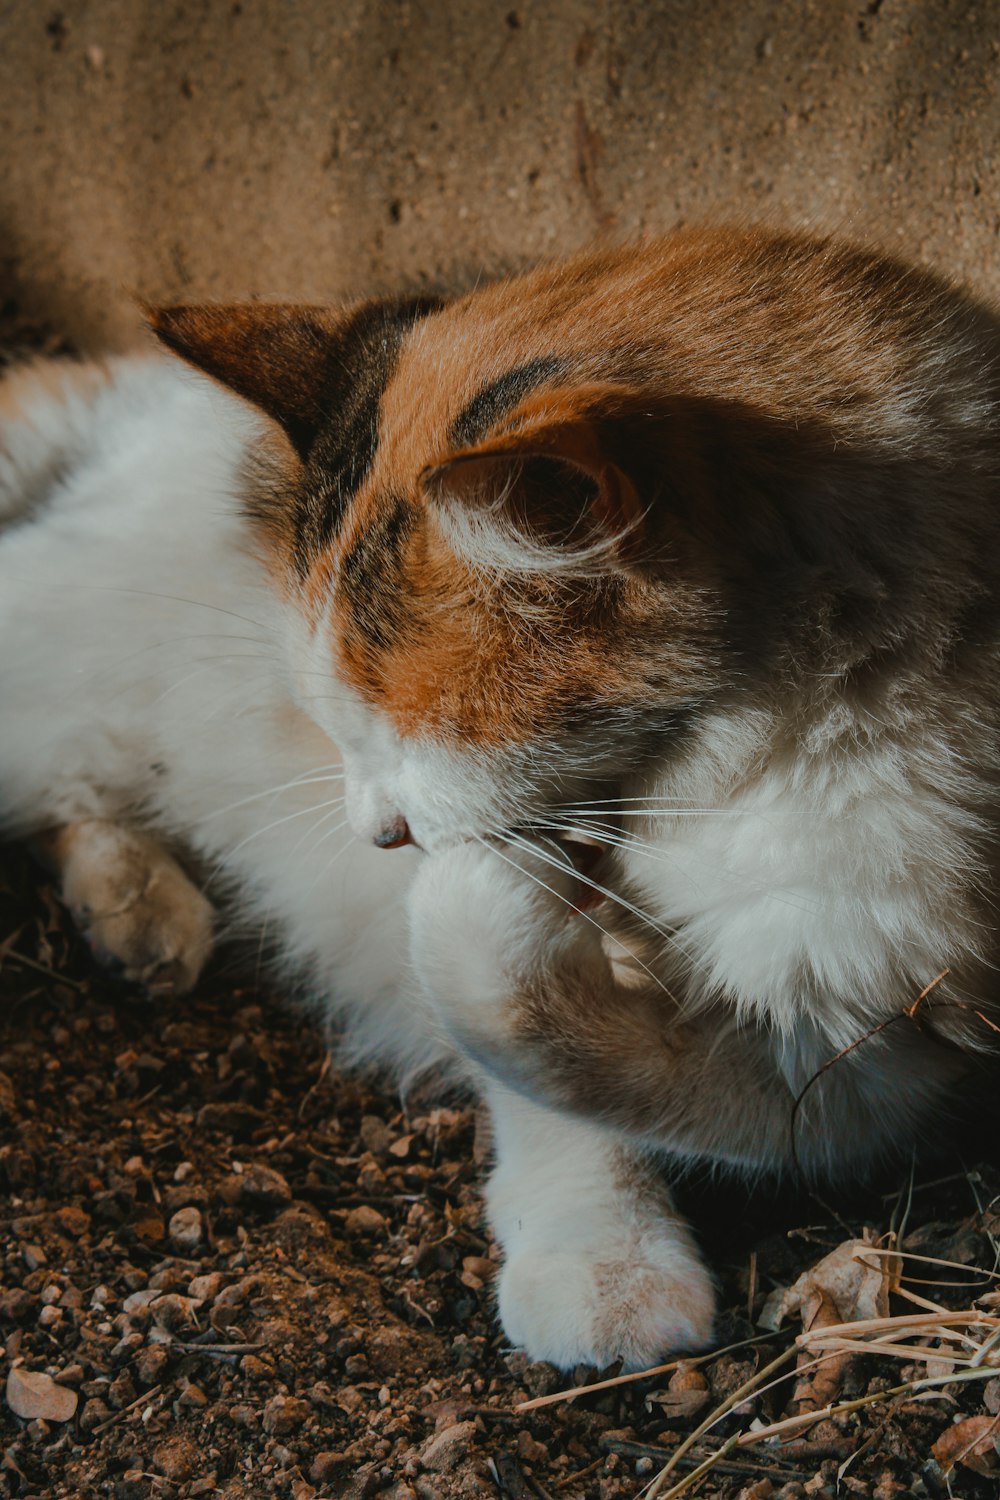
x=231 y=148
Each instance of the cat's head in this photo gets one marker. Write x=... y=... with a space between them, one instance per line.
x=491 y=620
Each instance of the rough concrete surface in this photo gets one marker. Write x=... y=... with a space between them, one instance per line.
x=296 y=148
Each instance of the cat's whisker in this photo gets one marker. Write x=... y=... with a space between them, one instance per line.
x=111 y=588
x=257 y=833
x=564 y=863
x=119 y=663
x=587 y=802
x=269 y=911
x=795 y=900
x=308 y=778
x=261 y=946
x=671 y=938
x=315 y=828
x=600 y=835
x=584 y=914
x=188 y=677
x=324 y=872
x=599 y=809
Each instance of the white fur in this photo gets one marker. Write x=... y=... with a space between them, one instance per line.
x=595 y=1269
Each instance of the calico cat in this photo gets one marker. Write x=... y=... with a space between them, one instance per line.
x=646 y=606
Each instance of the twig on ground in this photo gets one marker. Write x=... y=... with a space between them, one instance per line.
x=580 y=1474
x=603 y=1385
x=149 y=1395
x=775 y=1465
x=12 y=956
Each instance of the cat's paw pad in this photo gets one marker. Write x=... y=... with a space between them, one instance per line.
x=573 y=1308
x=138 y=910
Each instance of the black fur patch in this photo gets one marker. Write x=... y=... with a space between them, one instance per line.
x=498 y=398
x=363 y=355
x=370 y=582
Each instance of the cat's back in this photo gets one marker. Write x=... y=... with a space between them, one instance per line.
x=71 y=431
x=123 y=563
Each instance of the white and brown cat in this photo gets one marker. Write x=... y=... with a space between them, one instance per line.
x=648 y=606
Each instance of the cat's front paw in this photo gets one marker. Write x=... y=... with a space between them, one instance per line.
x=134 y=904
x=572 y=1306
x=486 y=926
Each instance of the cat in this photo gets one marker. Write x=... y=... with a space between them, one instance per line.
x=645 y=607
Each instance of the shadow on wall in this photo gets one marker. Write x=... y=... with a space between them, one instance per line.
x=290 y=148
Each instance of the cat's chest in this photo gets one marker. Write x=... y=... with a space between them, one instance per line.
x=807 y=893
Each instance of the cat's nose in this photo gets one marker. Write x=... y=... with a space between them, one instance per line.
x=394 y=835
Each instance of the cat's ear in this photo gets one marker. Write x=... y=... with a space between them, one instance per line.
x=276 y=356
x=302 y=365
x=563 y=477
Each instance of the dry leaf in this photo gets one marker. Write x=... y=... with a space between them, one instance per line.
x=971 y=1443
x=846 y=1286
x=855 y=1281
x=687 y=1392
x=32 y=1393
x=680 y=1404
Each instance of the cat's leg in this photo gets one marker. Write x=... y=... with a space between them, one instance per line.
x=132 y=901
x=597 y=1264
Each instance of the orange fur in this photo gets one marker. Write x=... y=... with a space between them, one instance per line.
x=689 y=383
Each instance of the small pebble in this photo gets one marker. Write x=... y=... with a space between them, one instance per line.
x=328 y=1466
x=72 y=1220
x=283 y=1414
x=531 y=1451
x=264 y=1187
x=175 y=1314
x=449 y=1448
x=193 y=1396
x=137 y=1300
x=365 y=1223
x=376 y=1136
x=206 y=1288
x=94 y=1412
x=151 y=1363
x=185 y=1230
x=176 y=1457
